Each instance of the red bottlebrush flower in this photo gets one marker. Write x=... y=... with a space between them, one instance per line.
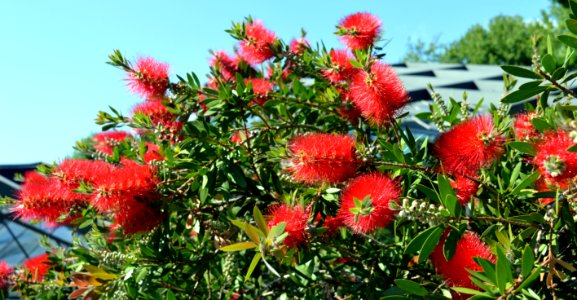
x=371 y=214
x=152 y=153
x=341 y=68
x=321 y=157
x=129 y=182
x=134 y=217
x=378 y=94
x=360 y=30
x=226 y=65
x=239 y=137
x=149 y=79
x=46 y=198
x=5 y=271
x=154 y=110
x=546 y=184
x=465 y=188
x=455 y=271
x=106 y=141
x=553 y=159
x=260 y=87
x=331 y=223
x=256 y=48
x=296 y=219
x=37 y=267
x=469 y=146
x=299 y=46
x=348 y=111
x=72 y=171
x=523 y=127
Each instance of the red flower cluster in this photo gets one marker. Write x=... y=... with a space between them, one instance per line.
x=523 y=127
x=299 y=46
x=5 y=272
x=226 y=65
x=361 y=30
x=341 y=68
x=378 y=94
x=125 y=190
x=381 y=189
x=152 y=153
x=321 y=157
x=160 y=117
x=106 y=141
x=256 y=48
x=469 y=146
x=260 y=87
x=455 y=270
x=46 y=198
x=553 y=159
x=465 y=188
x=149 y=79
x=296 y=219
x=37 y=267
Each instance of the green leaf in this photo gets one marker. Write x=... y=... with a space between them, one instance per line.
x=503 y=270
x=528 y=261
x=520 y=72
x=573 y=7
x=430 y=243
x=411 y=287
x=523 y=147
x=430 y=193
x=451 y=242
x=571 y=25
x=515 y=174
x=521 y=95
x=572 y=148
x=568 y=40
x=238 y=246
x=259 y=219
x=356 y=64
x=528 y=180
x=548 y=63
x=416 y=243
x=541 y=125
x=467 y=291
x=534 y=275
x=170 y=295
x=253 y=264
x=559 y=73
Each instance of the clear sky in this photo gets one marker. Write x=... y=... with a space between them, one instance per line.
x=54 y=80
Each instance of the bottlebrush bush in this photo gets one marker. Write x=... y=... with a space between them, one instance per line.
x=289 y=174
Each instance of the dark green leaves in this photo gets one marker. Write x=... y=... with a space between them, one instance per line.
x=425 y=242
x=523 y=147
x=568 y=40
x=524 y=94
x=411 y=287
x=521 y=72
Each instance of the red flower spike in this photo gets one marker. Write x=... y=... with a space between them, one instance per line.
x=299 y=46
x=465 y=188
x=360 y=30
x=376 y=213
x=341 y=68
x=256 y=48
x=149 y=79
x=155 y=110
x=134 y=217
x=331 y=223
x=106 y=141
x=46 y=198
x=37 y=267
x=469 y=146
x=261 y=88
x=152 y=153
x=321 y=157
x=455 y=271
x=129 y=182
x=553 y=159
x=523 y=127
x=227 y=66
x=296 y=219
x=5 y=271
x=378 y=94
x=72 y=171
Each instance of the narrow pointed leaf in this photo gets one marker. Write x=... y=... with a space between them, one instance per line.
x=238 y=246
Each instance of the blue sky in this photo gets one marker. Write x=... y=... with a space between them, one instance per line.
x=54 y=80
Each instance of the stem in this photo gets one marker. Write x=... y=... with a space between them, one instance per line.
x=556 y=83
x=402 y=165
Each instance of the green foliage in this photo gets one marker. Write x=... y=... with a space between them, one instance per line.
x=217 y=194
